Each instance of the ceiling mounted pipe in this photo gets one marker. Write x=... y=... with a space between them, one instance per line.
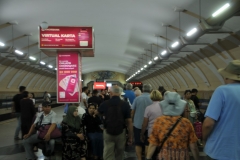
x=212 y=24
x=230 y=12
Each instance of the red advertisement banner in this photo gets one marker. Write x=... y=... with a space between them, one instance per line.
x=68 y=77
x=99 y=85
x=64 y=37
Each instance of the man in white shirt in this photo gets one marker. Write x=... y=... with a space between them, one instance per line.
x=84 y=97
x=81 y=111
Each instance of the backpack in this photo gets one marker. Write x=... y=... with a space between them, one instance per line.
x=114 y=119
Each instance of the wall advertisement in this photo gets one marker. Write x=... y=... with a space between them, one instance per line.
x=68 y=76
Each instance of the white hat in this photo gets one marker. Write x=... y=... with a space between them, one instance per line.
x=232 y=71
x=172 y=105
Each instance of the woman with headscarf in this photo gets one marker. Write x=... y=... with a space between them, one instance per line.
x=73 y=136
x=181 y=137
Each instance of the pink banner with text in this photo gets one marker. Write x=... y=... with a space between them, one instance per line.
x=68 y=76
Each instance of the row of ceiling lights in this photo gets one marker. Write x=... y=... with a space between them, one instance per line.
x=20 y=53
x=175 y=44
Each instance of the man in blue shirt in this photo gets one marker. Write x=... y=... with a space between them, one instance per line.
x=221 y=131
x=138 y=108
x=129 y=93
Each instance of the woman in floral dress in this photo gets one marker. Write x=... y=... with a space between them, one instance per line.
x=181 y=138
x=73 y=136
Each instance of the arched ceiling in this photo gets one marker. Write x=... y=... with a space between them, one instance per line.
x=124 y=31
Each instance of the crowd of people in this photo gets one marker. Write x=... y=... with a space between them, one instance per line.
x=158 y=122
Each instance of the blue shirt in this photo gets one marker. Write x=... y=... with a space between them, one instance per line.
x=130 y=95
x=224 y=141
x=139 y=105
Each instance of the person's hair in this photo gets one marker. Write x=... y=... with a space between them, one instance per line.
x=147 y=88
x=25 y=94
x=33 y=96
x=94 y=92
x=22 y=88
x=92 y=104
x=194 y=90
x=156 y=95
x=84 y=89
x=116 y=90
x=138 y=92
x=161 y=88
x=187 y=92
x=129 y=86
x=136 y=88
x=46 y=103
x=76 y=104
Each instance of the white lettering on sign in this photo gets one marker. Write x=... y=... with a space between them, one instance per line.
x=50 y=35
x=57 y=35
x=68 y=35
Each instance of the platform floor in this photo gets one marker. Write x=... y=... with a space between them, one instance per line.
x=13 y=150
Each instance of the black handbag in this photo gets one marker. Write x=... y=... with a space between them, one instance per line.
x=158 y=149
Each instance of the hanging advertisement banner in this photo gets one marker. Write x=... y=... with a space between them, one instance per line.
x=66 y=37
x=99 y=85
x=68 y=76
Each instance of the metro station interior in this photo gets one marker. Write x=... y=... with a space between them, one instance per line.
x=177 y=44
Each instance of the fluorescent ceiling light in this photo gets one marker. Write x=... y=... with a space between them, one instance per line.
x=43 y=63
x=150 y=62
x=55 y=68
x=2 y=44
x=18 y=52
x=223 y=8
x=32 y=58
x=163 y=52
x=175 y=44
x=145 y=66
x=156 y=58
x=50 y=66
x=194 y=30
x=138 y=71
x=141 y=68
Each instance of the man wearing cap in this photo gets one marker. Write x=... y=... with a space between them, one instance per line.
x=221 y=131
x=49 y=117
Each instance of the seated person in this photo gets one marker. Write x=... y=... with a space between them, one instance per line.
x=73 y=136
x=48 y=117
x=93 y=123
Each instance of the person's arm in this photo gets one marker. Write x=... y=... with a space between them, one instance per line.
x=133 y=107
x=85 y=103
x=194 y=150
x=186 y=112
x=32 y=129
x=132 y=114
x=13 y=107
x=130 y=130
x=207 y=128
x=144 y=127
x=47 y=136
x=150 y=151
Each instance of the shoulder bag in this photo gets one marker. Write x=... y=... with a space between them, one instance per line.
x=158 y=149
x=43 y=129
